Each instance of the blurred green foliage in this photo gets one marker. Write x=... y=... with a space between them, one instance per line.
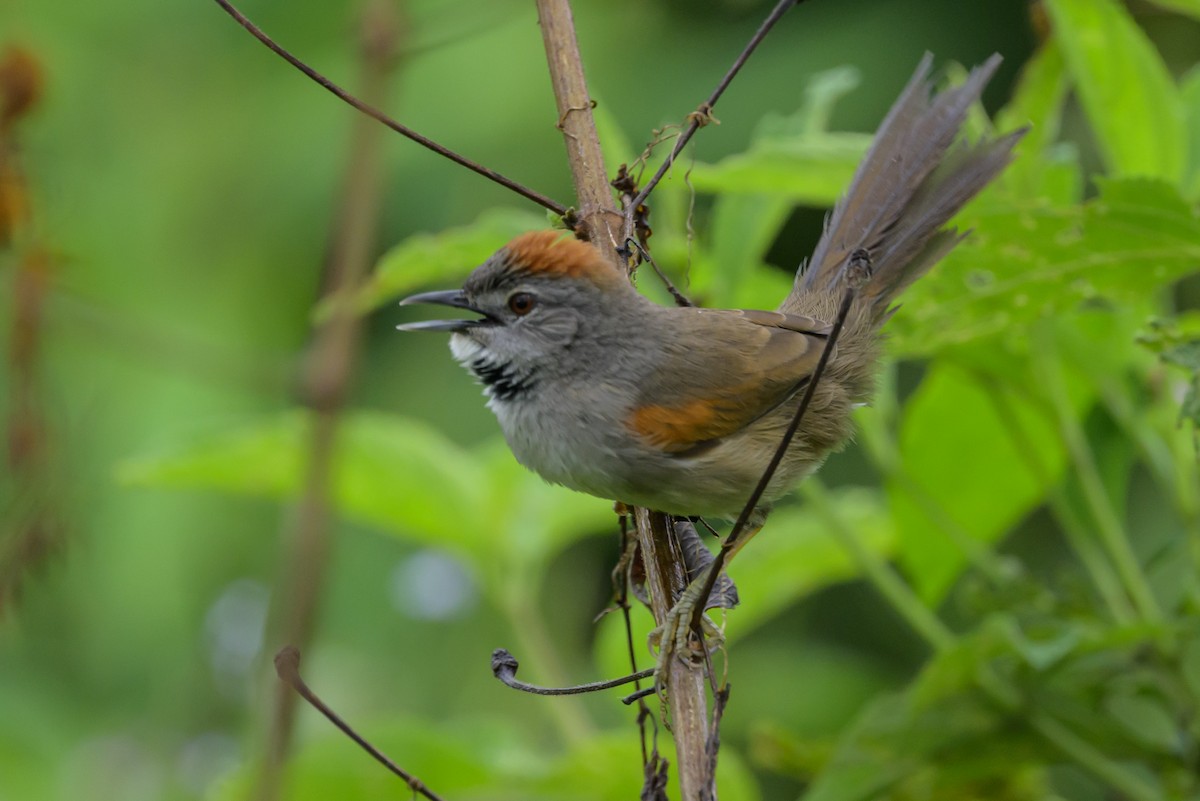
x=993 y=595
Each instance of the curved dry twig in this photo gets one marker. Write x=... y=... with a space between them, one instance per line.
x=504 y=667
x=861 y=261
x=376 y=114
x=287 y=666
x=703 y=114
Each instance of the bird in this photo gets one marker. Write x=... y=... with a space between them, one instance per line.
x=679 y=409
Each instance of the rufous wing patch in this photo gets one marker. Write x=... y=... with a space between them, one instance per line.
x=676 y=429
x=560 y=254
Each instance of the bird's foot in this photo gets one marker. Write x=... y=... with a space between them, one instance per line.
x=676 y=637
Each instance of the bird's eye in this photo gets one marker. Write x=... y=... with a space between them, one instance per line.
x=521 y=303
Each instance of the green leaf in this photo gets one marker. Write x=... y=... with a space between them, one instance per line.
x=1037 y=103
x=1023 y=262
x=403 y=477
x=955 y=671
x=445 y=257
x=1047 y=648
x=1126 y=89
x=731 y=272
x=821 y=93
x=1188 y=357
x=941 y=737
x=1189 y=662
x=1146 y=718
x=1189 y=91
x=1143 y=213
x=898 y=749
x=955 y=429
x=391 y=472
x=813 y=170
x=795 y=555
x=793 y=158
x=1177 y=343
x=1189 y=7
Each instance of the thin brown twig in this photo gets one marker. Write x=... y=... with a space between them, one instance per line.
x=597 y=210
x=379 y=116
x=287 y=666
x=713 y=749
x=682 y=684
x=680 y=299
x=621 y=578
x=639 y=696
x=664 y=574
x=703 y=113
x=859 y=260
x=504 y=668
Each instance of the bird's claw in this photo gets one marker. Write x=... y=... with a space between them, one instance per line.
x=675 y=638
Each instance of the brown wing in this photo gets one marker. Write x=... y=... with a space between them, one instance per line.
x=711 y=392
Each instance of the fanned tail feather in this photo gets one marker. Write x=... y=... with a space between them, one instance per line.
x=911 y=182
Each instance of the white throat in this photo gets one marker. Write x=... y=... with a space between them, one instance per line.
x=503 y=381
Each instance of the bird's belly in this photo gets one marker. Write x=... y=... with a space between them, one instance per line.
x=580 y=452
x=571 y=449
x=720 y=482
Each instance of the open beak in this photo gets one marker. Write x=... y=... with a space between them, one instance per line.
x=449 y=297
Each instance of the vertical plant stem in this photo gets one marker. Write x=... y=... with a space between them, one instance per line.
x=683 y=684
x=621 y=582
x=1108 y=584
x=1108 y=525
x=1084 y=545
x=600 y=219
x=327 y=372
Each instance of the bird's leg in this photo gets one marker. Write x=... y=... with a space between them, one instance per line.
x=673 y=637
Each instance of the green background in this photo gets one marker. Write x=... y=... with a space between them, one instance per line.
x=184 y=180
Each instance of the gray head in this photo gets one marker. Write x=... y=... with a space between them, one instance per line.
x=540 y=299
